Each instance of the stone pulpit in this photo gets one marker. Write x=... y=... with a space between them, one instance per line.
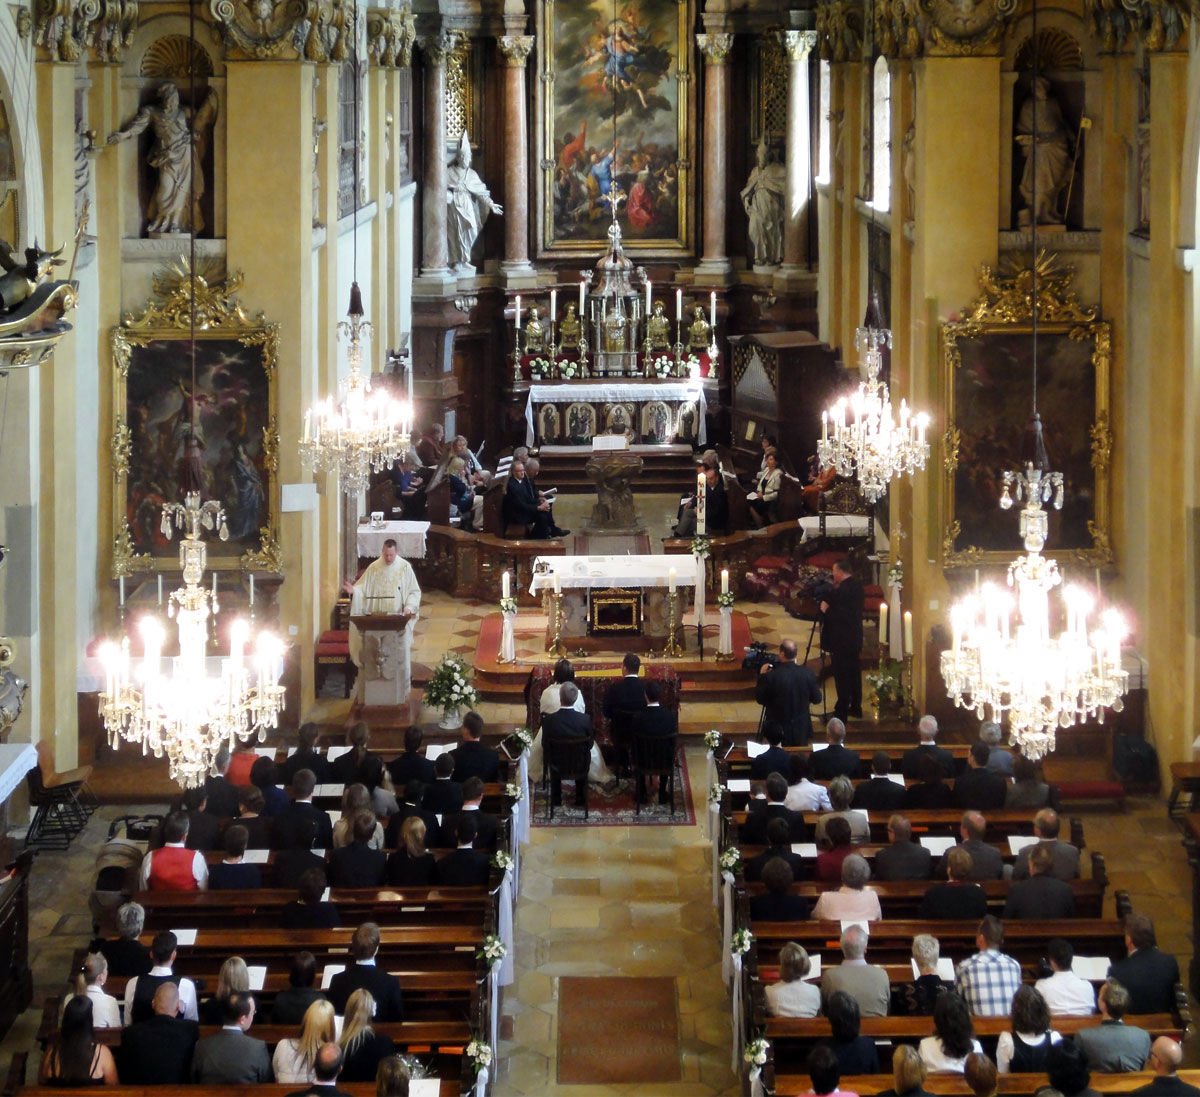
x=384 y=666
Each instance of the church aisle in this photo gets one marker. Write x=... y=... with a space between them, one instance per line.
x=618 y=901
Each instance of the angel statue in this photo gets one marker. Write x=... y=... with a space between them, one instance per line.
x=180 y=143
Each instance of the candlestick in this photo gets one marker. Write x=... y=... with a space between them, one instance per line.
x=678 y=305
x=908 y=633
x=712 y=308
x=160 y=590
x=553 y=305
x=504 y=584
x=724 y=580
x=670 y=580
x=647 y=296
x=582 y=286
x=883 y=616
x=518 y=312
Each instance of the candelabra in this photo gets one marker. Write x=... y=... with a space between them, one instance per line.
x=714 y=357
x=557 y=647
x=673 y=649
x=906 y=683
x=185 y=712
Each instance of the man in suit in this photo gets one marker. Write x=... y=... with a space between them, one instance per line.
x=568 y=726
x=1041 y=895
x=785 y=692
x=1165 y=1056
x=444 y=797
x=627 y=694
x=779 y=845
x=999 y=760
x=656 y=722
x=986 y=860
x=233 y=872
x=140 y=990
x=959 y=898
x=903 y=859
x=158 y=1052
x=471 y=757
x=232 y=1058
x=487 y=826
x=384 y=987
x=412 y=764
x=867 y=984
x=716 y=503
x=835 y=760
x=979 y=788
x=414 y=794
x=927 y=731
x=466 y=866
x=777 y=904
x=293 y=1001
x=222 y=796
x=772 y=760
x=1064 y=856
x=204 y=828
x=754 y=830
x=326 y=1068
x=1149 y=975
x=880 y=793
x=524 y=506
x=356 y=864
x=297 y=818
x=842 y=637
x=306 y=756
x=291 y=864
x=1112 y=1046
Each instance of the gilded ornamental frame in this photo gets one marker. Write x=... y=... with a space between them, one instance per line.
x=236 y=414
x=987 y=380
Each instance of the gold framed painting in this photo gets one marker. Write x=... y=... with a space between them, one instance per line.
x=616 y=102
x=987 y=363
x=220 y=434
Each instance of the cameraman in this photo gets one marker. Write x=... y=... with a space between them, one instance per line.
x=842 y=637
x=785 y=691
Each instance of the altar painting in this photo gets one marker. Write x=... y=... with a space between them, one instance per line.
x=616 y=128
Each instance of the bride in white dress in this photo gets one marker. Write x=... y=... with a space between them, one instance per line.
x=598 y=772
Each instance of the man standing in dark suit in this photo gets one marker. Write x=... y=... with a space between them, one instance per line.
x=835 y=760
x=300 y=814
x=523 y=507
x=754 y=829
x=880 y=793
x=466 y=866
x=357 y=865
x=384 y=987
x=785 y=691
x=842 y=637
x=904 y=859
x=231 y=1057
x=1149 y=975
x=471 y=757
x=326 y=1068
x=772 y=760
x=1041 y=896
x=927 y=729
x=979 y=788
x=655 y=722
x=444 y=796
x=959 y=898
x=568 y=726
x=414 y=793
x=412 y=765
x=222 y=796
x=986 y=861
x=486 y=825
x=158 y=1052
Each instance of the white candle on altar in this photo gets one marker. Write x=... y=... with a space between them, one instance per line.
x=701 y=499
x=160 y=590
x=518 y=312
x=712 y=308
x=724 y=580
x=252 y=590
x=678 y=305
x=504 y=585
x=647 y=296
x=214 y=584
x=670 y=580
x=908 y=632
x=582 y=285
x=121 y=582
x=883 y=616
x=557 y=583
x=553 y=305
x=307 y=424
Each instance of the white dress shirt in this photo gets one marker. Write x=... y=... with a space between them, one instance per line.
x=187 y=995
x=1066 y=992
x=106 y=1010
x=807 y=796
x=934 y=1056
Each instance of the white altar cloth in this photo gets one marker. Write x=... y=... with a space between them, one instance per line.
x=409 y=538
x=16 y=760
x=681 y=391
x=613 y=571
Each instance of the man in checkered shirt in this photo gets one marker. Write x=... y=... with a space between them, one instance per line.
x=989 y=979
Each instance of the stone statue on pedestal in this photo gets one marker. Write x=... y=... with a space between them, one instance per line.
x=1053 y=162
x=763 y=197
x=612 y=474
x=468 y=203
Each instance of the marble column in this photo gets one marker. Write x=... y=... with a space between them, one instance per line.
x=714 y=263
x=516 y=266
x=435 y=254
x=799 y=45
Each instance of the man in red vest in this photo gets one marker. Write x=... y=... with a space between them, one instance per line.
x=174 y=867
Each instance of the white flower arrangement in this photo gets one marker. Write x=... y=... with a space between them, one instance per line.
x=712 y=739
x=895 y=574
x=502 y=860
x=513 y=791
x=508 y=605
x=725 y=599
x=740 y=942
x=756 y=1052
x=540 y=367
x=689 y=366
x=716 y=792
x=525 y=736
x=448 y=686
x=493 y=950
x=731 y=860
x=700 y=546
x=568 y=369
x=480 y=1054
x=663 y=365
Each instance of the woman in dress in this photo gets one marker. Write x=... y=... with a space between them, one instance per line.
x=792 y=996
x=1023 y=1050
x=295 y=1058
x=77 y=1059
x=598 y=772
x=412 y=864
x=89 y=983
x=953 y=1036
x=362 y=1045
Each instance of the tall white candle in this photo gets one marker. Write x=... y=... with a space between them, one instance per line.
x=582 y=287
x=712 y=309
x=214 y=584
x=553 y=305
x=701 y=499
x=678 y=305
x=504 y=584
x=518 y=312
x=647 y=296
x=671 y=580
x=160 y=590
x=883 y=616
x=557 y=583
x=724 y=580
x=908 y=633
x=121 y=582
x=252 y=590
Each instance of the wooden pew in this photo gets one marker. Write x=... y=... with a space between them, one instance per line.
x=867 y=1085
x=267 y=867
x=739 y=761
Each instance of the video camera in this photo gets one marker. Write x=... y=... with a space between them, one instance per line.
x=757 y=655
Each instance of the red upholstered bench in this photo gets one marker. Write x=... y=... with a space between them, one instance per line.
x=1091 y=792
x=333 y=650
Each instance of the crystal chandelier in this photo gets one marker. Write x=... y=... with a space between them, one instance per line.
x=183 y=710
x=860 y=437
x=367 y=429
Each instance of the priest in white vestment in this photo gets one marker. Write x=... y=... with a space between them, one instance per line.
x=388 y=585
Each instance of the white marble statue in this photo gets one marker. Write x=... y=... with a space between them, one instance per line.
x=764 y=198
x=1053 y=160
x=468 y=203
x=180 y=143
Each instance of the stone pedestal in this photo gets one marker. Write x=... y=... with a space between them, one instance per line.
x=385 y=669
x=615 y=511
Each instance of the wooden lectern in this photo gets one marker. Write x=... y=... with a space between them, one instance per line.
x=385 y=673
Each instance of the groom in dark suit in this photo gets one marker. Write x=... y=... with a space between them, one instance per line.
x=657 y=722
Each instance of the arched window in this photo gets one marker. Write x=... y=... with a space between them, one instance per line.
x=881 y=152
x=824 y=128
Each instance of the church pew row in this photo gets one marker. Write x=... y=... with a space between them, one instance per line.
x=738 y=760
x=778 y=1084
x=903 y=898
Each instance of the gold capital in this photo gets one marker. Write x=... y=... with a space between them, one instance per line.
x=438 y=47
x=798 y=44
x=715 y=47
x=515 y=49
